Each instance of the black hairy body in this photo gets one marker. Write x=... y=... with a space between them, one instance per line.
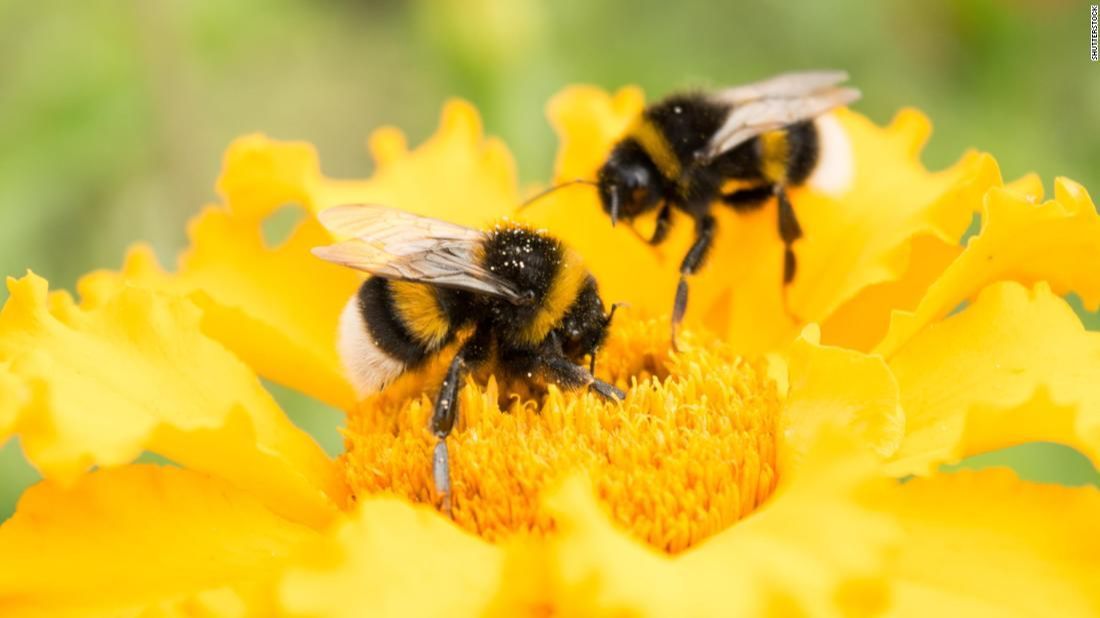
x=657 y=166
x=510 y=295
x=565 y=316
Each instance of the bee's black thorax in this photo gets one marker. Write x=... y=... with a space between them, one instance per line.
x=524 y=258
x=687 y=122
x=538 y=264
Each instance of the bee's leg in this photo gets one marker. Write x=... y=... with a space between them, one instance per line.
x=607 y=324
x=567 y=375
x=704 y=236
x=443 y=420
x=789 y=231
x=748 y=199
x=664 y=221
x=445 y=412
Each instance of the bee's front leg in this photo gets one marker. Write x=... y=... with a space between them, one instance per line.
x=664 y=222
x=705 y=228
x=565 y=374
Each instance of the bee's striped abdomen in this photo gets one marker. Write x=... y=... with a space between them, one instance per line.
x=387 y=328
x=804 y=151
x=775 y=152
x=418 y=307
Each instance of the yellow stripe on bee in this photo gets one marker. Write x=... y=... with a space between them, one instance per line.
x=775 y=151
x=655 y=144
x=418 y=309
x=565 y=288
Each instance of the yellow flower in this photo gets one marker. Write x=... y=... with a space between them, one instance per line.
x=727 y=483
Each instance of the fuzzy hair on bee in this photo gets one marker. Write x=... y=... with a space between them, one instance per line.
x=681 y=152
x=515 y=295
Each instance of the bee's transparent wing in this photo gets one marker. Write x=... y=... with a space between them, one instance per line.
x=398 y=245
x=775 y=103
x=784 y=85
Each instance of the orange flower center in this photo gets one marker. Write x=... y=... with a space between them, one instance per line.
x=691 y=450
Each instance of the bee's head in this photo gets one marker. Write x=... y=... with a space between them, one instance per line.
x=584 y=327
x=629 y=183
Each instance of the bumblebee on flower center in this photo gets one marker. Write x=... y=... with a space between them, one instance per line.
x=690 y=451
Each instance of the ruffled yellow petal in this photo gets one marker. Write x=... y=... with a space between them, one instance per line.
x=858 y=237
x=811 y=550
x=862 y=322
x=142 y=539
x=588 y=122
x=274 y=307
x=1016 y=366
x=863 y=236
x=1029 y=185
x=395 y=559
x=277 y=307
x=457 y=174
x=15 y=395
x=135 y=373
x=1057 y=241
x=987 y=544
x=836 y=386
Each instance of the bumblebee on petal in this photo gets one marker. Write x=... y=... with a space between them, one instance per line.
x=680 y=151
x=511 y=293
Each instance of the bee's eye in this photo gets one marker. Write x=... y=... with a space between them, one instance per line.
x=636 y=178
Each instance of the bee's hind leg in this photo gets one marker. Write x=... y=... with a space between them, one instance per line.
x=445 y=412
x=789 y=231
x=704 y=236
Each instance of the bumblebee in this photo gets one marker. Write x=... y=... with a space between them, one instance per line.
x=510 y=293
x=681 y=151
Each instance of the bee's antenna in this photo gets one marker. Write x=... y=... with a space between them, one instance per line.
x=610 y=315
x=614 y=308
x=541 y=194
x=613 y=208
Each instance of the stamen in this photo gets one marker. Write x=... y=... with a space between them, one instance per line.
x=691 y=450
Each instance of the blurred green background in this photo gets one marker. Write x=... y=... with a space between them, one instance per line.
x=114 y=114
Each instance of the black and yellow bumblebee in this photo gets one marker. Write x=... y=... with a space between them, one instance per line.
x=682 y=150
x=513 y=294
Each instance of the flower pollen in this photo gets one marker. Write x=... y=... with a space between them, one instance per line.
x=690 y=451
